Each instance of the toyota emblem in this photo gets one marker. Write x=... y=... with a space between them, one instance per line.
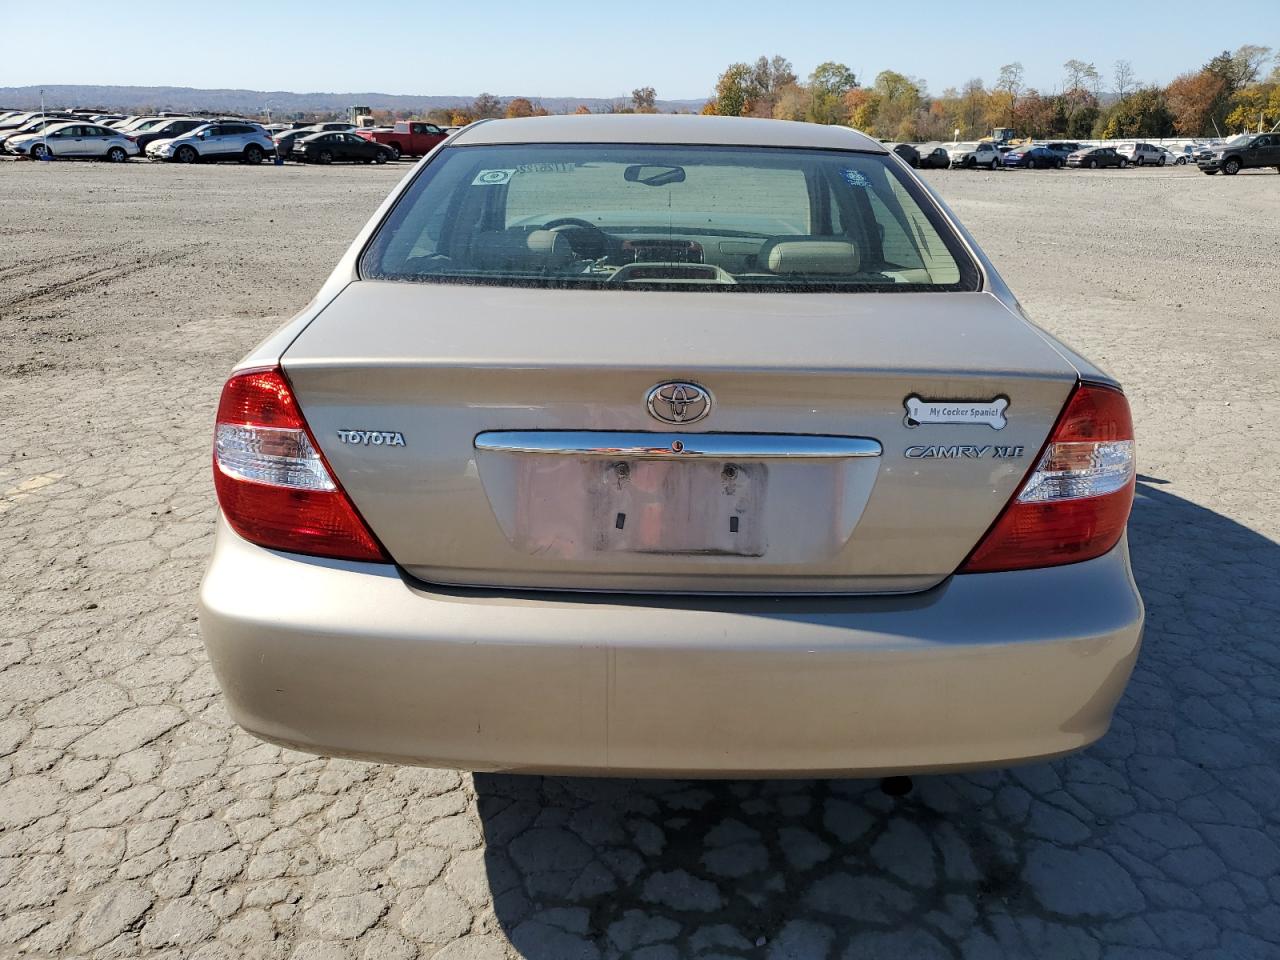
x=679 y=402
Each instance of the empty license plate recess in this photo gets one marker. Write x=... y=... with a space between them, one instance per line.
x=678 y=506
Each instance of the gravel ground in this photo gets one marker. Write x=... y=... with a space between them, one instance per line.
x=136 y=821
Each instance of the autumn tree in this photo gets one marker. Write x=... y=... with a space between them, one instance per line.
x=973 y=107
x=643 y=100
x=769 y=78
x=486 y=106
x=519 y=107
x=1010 y=84
x=1255 y=105
x=1193 y=99
x=862 y=107
x=582 y=109
x=791 y=103
x=1080 y=94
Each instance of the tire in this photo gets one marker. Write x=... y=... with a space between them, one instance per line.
x=117 y=155
x=395 y=150
x=1123 y=163
x=1093 y=164
x=324 y=157
x=994 y=164
x=1231 y=167
x=1138 y=162
x=186 y=155
x=1161 y=163
x=252 y=153
x=1031 y=164
x=39 y=151
x=380 y=158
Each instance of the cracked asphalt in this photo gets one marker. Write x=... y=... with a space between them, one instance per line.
x=136 y=821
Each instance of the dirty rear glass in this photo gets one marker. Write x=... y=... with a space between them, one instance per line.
x=685 y=217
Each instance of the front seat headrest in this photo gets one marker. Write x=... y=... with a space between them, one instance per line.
x=825 y=256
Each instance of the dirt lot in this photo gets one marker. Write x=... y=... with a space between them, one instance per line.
x=135 y=820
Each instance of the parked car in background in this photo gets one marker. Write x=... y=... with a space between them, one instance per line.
x=1247 y=151
x=1064 y=148
x=285 y=139
x=16 y=119
x=473 y=516
x=934 y=158
x=164 y=130
x=31 y=126
x=223 y=140
x=72 y=140
x=1094 y=157
x=340 y=147
x=1172 y=158
x=139 y=124
x=1033 y=158
x=970 y=155
x=909 y=154
x=409 y=138
x=1142 y=154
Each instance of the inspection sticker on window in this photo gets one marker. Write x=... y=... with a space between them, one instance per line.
x=854 y=178
x=492 y=178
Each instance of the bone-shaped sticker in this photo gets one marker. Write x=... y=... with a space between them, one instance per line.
x=956 y=411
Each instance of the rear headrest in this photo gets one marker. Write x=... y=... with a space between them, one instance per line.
x=827 y=256
x=517 y=250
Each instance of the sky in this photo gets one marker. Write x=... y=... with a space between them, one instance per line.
x=593 y=49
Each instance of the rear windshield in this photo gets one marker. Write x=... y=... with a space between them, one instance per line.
x=661 y=217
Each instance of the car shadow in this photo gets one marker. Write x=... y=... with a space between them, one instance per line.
x=1151 y=840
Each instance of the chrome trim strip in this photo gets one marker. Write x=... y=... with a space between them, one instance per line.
x=654 y=446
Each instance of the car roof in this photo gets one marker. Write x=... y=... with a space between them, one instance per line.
x=666 y=128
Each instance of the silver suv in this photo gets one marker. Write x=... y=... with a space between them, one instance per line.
x=221 y=140
x=1141 y=153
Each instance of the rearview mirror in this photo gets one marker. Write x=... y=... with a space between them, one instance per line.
x=653 y=175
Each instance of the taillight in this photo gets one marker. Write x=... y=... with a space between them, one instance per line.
x=1074 y=505
x=273 y=484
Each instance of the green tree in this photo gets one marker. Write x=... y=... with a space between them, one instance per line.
x=1144 y=113
x=828 y=84
x=899 y=99
x=733 y=91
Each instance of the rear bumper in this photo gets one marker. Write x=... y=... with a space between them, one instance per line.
x=350 y=659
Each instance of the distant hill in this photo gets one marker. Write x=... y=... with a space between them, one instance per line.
x=280 y=102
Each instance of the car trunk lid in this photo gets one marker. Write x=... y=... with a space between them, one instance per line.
x=500 y=436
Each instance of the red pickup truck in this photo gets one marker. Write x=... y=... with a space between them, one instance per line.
x=410 y=138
